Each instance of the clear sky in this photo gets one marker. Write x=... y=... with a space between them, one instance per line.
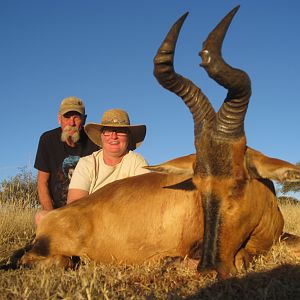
x=102 y=52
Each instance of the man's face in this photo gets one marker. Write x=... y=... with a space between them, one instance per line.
x=115 y=141
x=71 y=124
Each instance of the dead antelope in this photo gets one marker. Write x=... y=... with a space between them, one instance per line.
x=217 y=206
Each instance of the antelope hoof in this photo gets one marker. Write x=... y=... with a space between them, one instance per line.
x=26 y=260
x=32 y=260
x=242 y=260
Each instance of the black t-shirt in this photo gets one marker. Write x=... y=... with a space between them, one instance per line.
x=57 y=158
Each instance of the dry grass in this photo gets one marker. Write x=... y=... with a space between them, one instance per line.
x=274 y=276
x=16 y=227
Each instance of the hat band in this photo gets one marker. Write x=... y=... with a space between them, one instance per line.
x=115 y=121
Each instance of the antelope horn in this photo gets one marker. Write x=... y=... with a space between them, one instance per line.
x=230 y=117
x=165 y=74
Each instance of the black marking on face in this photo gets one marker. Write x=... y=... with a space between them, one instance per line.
x=214 y=158
x=210 y=254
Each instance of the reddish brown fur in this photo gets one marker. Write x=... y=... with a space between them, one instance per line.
x=155 y=215
x=140 y=218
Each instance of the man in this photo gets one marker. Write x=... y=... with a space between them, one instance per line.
x=116 y=160
x=58 y=153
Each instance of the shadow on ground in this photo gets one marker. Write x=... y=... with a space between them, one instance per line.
x=282 y=282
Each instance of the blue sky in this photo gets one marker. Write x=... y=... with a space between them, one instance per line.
x=102 y=52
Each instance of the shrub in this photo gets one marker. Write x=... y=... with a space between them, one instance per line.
x=21 y=189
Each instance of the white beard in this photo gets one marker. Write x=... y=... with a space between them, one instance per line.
x=65 y=135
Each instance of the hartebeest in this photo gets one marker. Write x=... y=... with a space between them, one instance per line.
x=218 y=206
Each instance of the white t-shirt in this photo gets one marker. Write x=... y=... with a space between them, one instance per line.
x=91 y=173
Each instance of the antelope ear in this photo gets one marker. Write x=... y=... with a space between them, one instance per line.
x=180 y=166
x=262 y=166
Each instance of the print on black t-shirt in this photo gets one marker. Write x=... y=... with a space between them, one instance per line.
x=64 y=175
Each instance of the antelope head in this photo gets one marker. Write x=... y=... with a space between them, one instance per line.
x=224 y=167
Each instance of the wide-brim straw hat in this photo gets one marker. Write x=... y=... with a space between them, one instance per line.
x=116 y=118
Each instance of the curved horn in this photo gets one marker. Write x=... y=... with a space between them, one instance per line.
x=165 y=74
x=230 y=118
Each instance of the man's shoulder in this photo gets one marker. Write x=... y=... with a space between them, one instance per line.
x=51 y=133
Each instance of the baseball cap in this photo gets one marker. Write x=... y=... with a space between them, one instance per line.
x=72 y=103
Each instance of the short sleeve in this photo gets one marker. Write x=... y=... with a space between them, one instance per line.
x=42 y=162
x=83 y=174
x=140 y=163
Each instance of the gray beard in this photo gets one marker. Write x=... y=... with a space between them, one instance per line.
x=66 y=136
